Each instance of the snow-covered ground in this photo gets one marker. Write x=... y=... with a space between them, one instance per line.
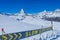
x=22 y=22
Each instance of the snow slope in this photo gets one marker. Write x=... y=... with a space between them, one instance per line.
x=31 y=22
x=10 y=25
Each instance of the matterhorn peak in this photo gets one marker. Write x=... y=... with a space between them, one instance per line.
x=22 y=12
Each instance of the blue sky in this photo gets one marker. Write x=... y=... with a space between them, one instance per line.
x=29 y=6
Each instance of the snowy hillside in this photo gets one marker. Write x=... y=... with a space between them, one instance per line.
x=23 y=22
x=11 y=25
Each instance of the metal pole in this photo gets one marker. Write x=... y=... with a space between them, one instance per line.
x=52 y=27
x=40 y=33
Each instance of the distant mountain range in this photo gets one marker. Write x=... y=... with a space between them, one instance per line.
x=47 y=15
